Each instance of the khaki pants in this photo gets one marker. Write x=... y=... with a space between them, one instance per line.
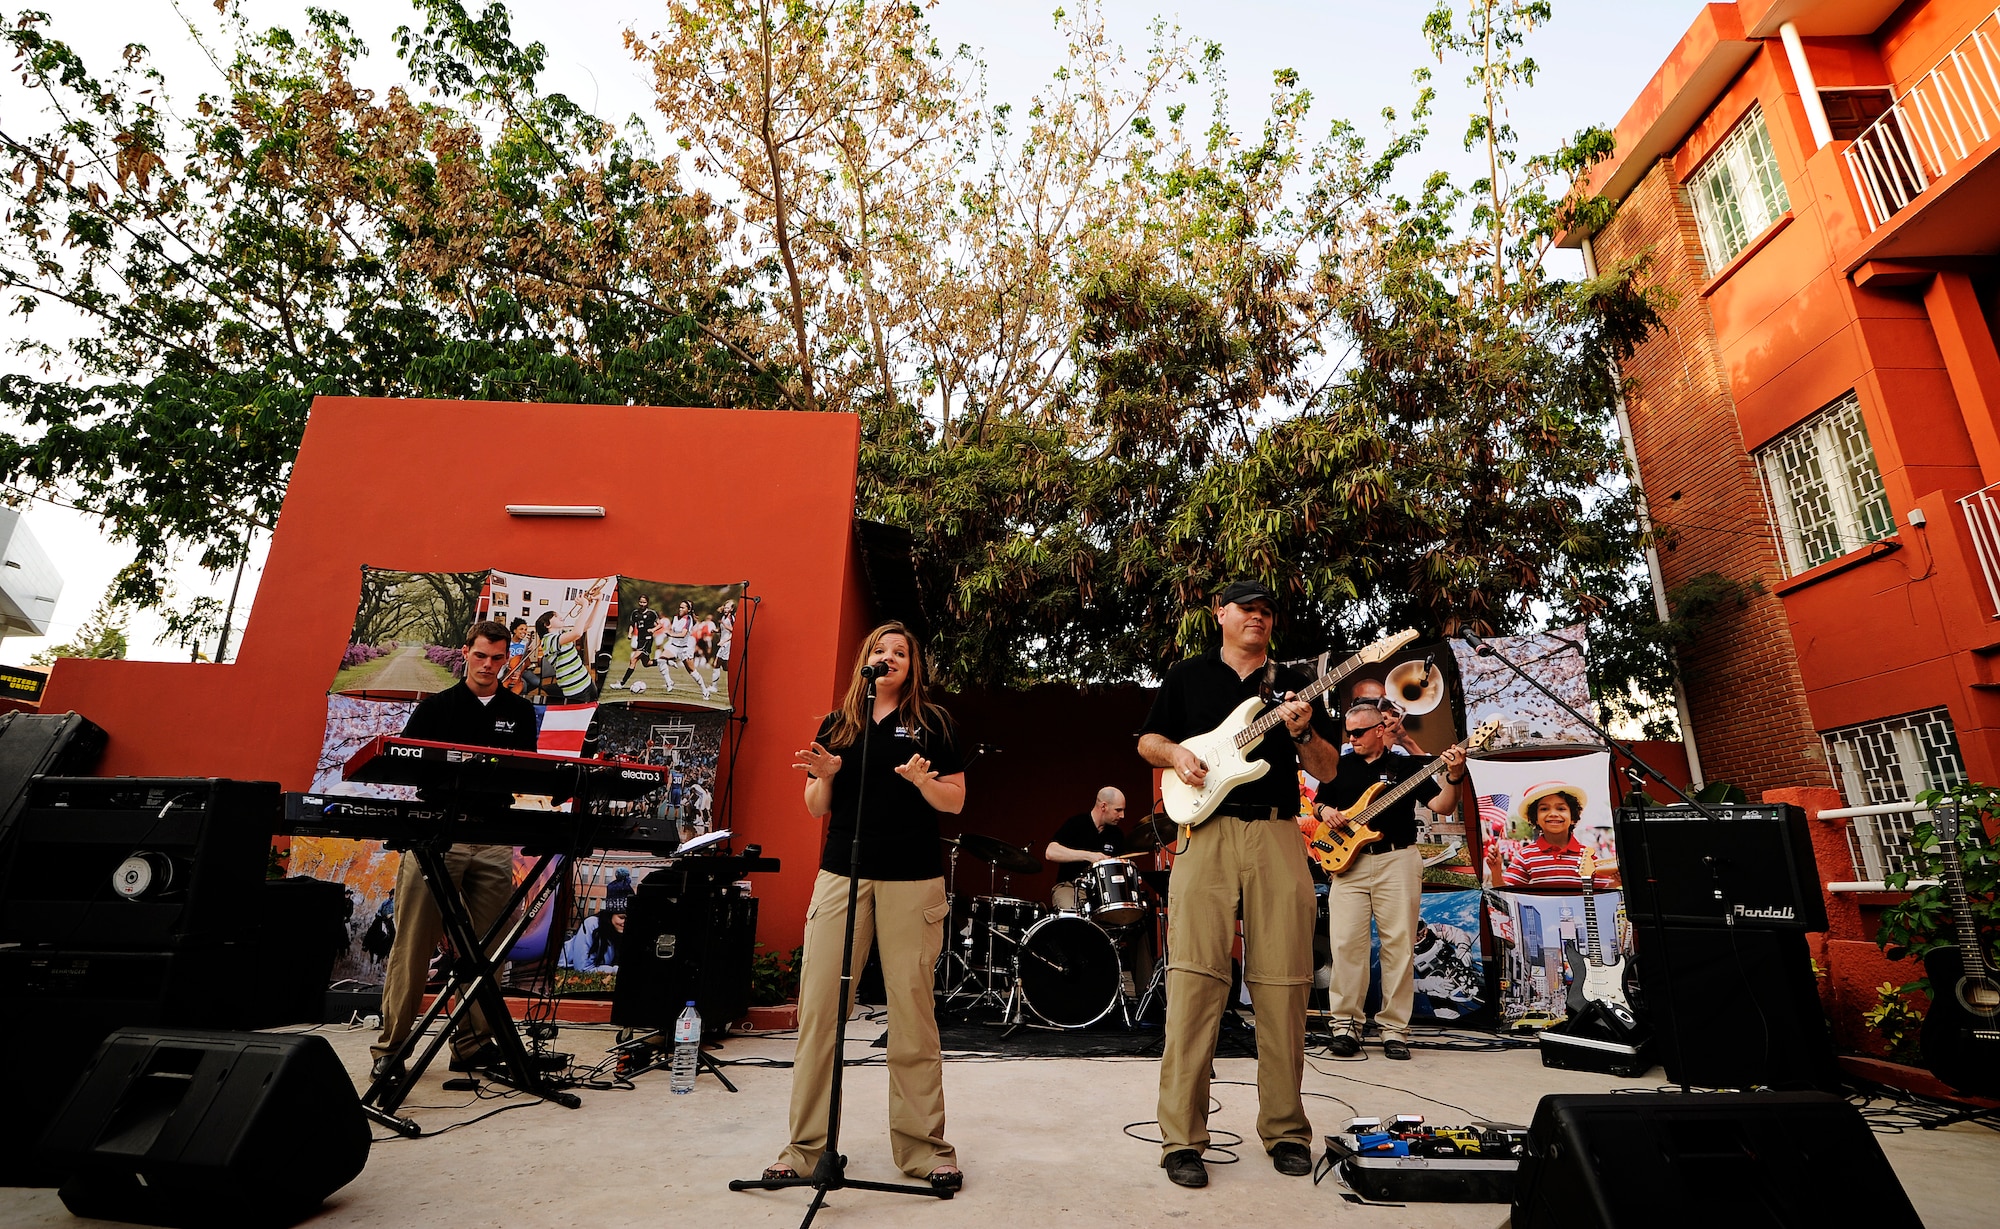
x=1387 y=887
x=485 y=875
x=1255 y=870
x=908 y=918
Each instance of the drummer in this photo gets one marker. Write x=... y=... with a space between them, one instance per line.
x=1085 y=838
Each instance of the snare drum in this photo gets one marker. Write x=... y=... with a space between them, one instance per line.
x=1117 y=894
x=1068 y=897
x=1067 y=970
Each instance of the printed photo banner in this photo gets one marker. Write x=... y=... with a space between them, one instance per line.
x=1450 y=973
x=1542 y=943
x=1509 y=792
x=1527 y=716
x=606 y=680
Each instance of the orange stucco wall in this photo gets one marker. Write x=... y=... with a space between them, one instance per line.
x=692 y=495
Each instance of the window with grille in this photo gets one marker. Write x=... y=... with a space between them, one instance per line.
x=1823 y=487
x=1896 y=758
x=1889 y=761
x=1738 y=191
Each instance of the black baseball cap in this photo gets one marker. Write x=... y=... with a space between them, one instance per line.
x=1243 y=592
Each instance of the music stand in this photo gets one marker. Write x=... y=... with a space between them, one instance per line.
x=831 y=1173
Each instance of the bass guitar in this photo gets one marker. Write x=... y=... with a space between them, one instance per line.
x=1226 y=748
x=1596 y=978
x=1961 y=1035
x=1338 y=841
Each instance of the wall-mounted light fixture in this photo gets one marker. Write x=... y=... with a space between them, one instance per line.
x=555 y=509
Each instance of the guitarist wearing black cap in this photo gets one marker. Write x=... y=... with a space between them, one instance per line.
x=1241 y=861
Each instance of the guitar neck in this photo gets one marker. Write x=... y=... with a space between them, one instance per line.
x=1320 y=687
x=1393 y=796
x=1970 y=955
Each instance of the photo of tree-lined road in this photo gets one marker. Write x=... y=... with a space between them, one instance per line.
x=408 y=627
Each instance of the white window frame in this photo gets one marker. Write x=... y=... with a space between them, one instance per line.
x=1826 y=460
x=1737 y=192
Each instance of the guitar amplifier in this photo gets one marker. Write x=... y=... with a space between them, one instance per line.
x=687 y=937
x=138 y=863
x=1751 y=867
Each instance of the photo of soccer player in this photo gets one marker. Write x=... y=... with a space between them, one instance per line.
x=673 y=645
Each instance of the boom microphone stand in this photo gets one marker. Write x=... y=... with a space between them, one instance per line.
x=831 y=1173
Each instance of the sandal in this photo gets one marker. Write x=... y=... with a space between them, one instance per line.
x=779 y=1172
x=947 y=1181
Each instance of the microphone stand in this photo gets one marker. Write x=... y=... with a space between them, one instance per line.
x=831 y=1173
x=1484 y=649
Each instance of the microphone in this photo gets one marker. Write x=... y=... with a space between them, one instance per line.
x=875 y=670
x=1478 y=646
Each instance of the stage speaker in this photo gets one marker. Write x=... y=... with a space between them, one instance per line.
x=685 y=939
x=1745 y=1160
x=38 y=744
x=301 y=930
x=1752 y=867
x=61 y=1005
x=145 y=864
x=175 y=1127
x=1733 y=1008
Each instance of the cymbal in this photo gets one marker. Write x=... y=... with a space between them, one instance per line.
x=1010 y=858
x=1155 y=831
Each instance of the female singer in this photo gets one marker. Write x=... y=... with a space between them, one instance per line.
x=913 y=771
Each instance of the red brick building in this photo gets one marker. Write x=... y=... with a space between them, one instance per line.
x=1816 y=183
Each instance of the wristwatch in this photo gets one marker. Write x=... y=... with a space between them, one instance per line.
x=1303 y=739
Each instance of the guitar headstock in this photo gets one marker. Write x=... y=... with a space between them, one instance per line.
x=1586 y=866
x=1480 y=738
x=1381 y=649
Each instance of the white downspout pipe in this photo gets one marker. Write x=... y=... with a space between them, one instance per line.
x=1652 y=552
x=1795 y=51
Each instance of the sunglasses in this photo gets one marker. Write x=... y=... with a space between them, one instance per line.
x=1363 y=730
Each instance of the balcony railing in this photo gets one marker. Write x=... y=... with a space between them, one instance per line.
x=1982 y=517
x=1951 y=110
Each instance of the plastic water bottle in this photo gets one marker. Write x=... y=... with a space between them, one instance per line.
x=687 y=1049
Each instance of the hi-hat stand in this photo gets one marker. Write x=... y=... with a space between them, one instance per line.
x=831 y=1173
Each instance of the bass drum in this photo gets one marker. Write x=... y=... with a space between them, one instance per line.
x=1067 y=970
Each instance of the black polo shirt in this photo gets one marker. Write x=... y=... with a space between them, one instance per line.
x=1081 y=832
x=1199 y=692
x=899 y=835
x=1398 y=825
x=455 y=715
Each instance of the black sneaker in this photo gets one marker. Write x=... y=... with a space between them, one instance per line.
x=1396 y=1049
x=387 y=1067
x=1292 y=1160
x=1184 y=1168
x=1345 y=1045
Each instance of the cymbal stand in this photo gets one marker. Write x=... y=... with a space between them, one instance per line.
x=1156 y=986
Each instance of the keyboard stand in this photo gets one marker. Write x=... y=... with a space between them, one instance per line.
x=473 y=978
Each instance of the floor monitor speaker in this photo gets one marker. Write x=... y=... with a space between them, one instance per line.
x=176 y=1127
x=39 y=744
x=1746 y=1160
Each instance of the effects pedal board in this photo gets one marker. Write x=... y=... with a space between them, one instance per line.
x=1402 y=1159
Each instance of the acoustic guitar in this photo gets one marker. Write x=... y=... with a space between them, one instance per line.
x=1961 y=1035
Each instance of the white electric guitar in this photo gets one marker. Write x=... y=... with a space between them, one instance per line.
x=1601 y=977
x=1225 y=749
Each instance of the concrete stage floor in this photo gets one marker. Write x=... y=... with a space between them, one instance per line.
x=1040 y=1141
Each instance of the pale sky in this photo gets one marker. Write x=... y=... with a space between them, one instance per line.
x=1356 y=58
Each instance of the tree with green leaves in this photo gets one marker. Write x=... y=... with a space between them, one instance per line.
x=102 y=635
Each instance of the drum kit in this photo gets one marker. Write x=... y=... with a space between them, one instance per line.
x=1063 y=965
